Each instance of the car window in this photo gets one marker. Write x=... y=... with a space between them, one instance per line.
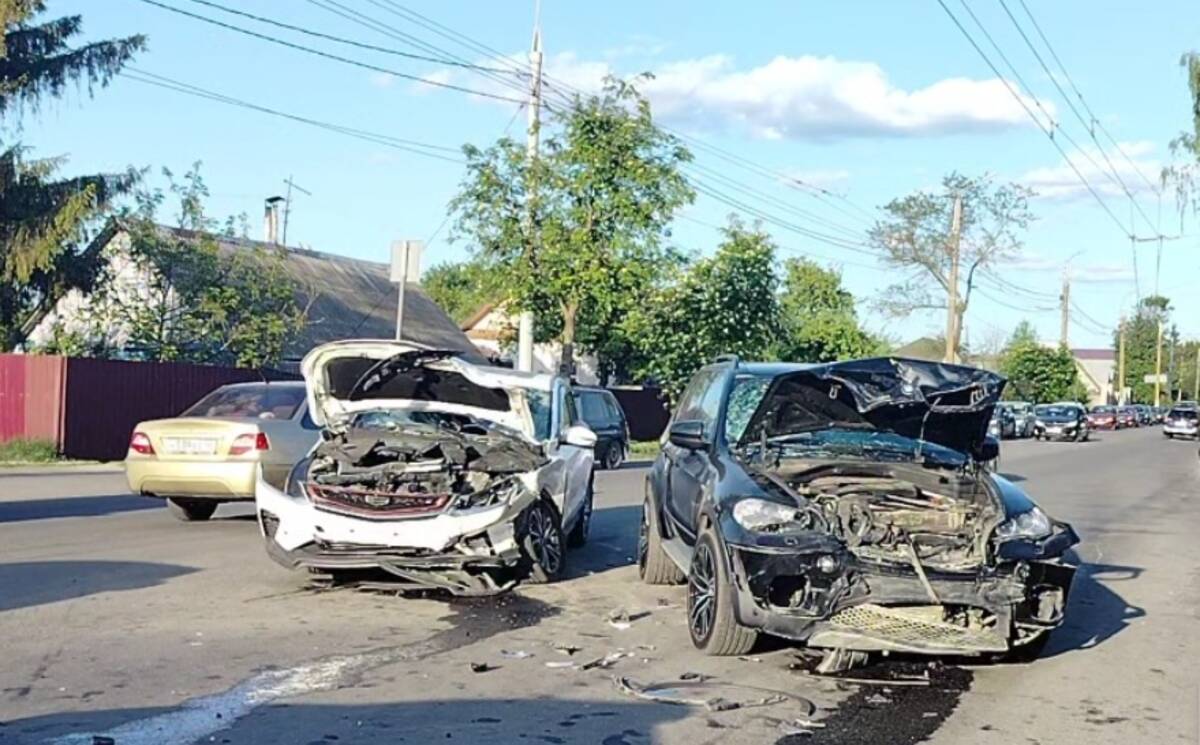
x=593 y=409
x=539 y=410
x=747 y=394
x=616 y=415
x=249 y=401
x=707 y=404
x=1183 y=414
x=689 y=402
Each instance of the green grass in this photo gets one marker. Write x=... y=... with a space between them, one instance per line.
x=28 y=451
x=643 y=449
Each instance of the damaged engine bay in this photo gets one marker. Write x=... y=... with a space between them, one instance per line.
x=393 y=464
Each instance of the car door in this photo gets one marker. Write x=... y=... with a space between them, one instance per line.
x=689 y=470
x=576 y=460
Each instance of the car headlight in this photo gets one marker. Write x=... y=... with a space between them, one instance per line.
x=761 y=515
x=294 y=486
x=1039 y=423
x=499 y=492
x=1033 y=524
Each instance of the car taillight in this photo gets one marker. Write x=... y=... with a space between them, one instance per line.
x=140 y=443
x=243 y=444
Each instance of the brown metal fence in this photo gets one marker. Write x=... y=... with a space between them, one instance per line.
x=646 y=411
x=89 y=407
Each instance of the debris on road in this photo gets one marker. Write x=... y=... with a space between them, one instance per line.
x=712 y=695
x=621 y=619
x=482 y=667
x=516 y=654
x=567 y=649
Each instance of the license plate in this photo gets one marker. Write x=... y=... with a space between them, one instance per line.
x=1054 y=430
x=190 y=445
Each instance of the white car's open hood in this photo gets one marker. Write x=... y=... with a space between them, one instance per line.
x=501 y=395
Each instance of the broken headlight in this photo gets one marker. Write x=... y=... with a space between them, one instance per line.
x=761 y=515
x=1033 y=524
x=294 y=486
x=499 y=492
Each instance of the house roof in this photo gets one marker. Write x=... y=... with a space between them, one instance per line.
x=351 y=298
x=925 y=348
x=1093 y=354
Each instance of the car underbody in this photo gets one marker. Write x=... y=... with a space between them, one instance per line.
x=896 y=558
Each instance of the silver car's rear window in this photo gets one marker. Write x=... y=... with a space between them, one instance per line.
x=250 y=401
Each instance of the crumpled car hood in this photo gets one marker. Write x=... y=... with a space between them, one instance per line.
x=949 y=405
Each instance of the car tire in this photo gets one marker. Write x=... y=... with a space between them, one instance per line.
x=192 y=510
x=579 y=534
x=1168 y=435
x=613 y=456
x=654 y=566
x=1027 y=652
x=711 y=622
x=543 y=547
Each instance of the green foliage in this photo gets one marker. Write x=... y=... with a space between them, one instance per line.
x=577 y=233
x=914 y=236
x=725 y=304
x=193 y=301
x=28 y=451
x=1040 y=374
x=819 y=321
x=1141 y=340
x=43 y=220
x=461 y=288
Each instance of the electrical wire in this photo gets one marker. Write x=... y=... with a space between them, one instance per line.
x=1048 y=132
x=327 y=55
x=411 y=146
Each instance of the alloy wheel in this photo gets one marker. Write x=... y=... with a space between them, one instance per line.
x=702 y=593
x=545 y=542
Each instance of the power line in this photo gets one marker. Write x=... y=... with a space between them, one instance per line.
x=411 y=146
x=1032 y=116
x=348 y=42
x=327 y=55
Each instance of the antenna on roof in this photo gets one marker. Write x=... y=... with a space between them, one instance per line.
x=287 y=203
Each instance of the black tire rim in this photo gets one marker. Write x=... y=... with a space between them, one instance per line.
x=545 y=542
x=585 y=519
x=702 y=593
x=643 y=547
x=612 y=457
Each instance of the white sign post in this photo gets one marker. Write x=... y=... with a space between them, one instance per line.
x=1150 y=379
x=406 y=267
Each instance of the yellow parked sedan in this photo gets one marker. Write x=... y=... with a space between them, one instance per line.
x=210 y=453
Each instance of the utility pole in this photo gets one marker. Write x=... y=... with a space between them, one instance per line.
x=525 y=322
x=1196 y=390
x=1065 y=321
x=952 y=291
x=1170 y=362
x=1158 y=364
x=1121 y=364
x=287 y=203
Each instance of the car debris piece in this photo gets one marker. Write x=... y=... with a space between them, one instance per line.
x=606 y=661
x=841 y=660
x=516 y=654
x=710 y=694
x=560 y=665
x=482 y=667
x=567 y=649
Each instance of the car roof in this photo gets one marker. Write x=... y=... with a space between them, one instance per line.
x=590 y=389
x=275 y=383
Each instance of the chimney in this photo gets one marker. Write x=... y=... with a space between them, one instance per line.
x=271 y=219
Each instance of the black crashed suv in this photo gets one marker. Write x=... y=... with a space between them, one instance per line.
x=847 y=505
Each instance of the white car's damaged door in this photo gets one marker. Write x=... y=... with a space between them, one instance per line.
x=572 y=444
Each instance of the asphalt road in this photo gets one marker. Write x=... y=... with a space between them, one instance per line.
x=117 y=621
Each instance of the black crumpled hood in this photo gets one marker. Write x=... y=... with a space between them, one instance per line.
x=949 y=405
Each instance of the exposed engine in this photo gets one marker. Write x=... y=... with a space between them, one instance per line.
x=408 y=464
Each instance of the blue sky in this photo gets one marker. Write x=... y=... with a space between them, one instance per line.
x=869 y=100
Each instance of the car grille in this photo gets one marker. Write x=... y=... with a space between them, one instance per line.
x=904 y=629
x=376 y=505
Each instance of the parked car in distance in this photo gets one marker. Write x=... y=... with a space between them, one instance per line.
x=1104 y=417
x=1160 y=414
x=1145 y=414
x=1127 y=417
x=1003 y=424
x=438 y=471
x=211 y=452
x=1022 y=412
x=1182 y=422
x=1061 y=421
x=602 y=413
x=846 y=505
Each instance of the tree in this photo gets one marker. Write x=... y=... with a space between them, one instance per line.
x=186 y=299
x=461 y=288
x=725 y=304
x=818 y=318
x=43 y=220
x=1183 y=174
x=574 y=233
x=1141 y=341
x=915 y=236
x=1041 y=374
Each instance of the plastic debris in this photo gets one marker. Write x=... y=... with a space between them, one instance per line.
x=621 y=619
x=560 y=664
x=606 y=661
x=712 y=695
x=516 y=654
x=567 y=649
x=481 y=667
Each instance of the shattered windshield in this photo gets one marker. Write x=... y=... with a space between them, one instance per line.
x=842 y=444
x=747 y=393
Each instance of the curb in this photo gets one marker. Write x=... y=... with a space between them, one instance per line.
x=62 y=469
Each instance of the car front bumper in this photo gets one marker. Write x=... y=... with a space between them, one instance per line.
x=1060 y=433
x=1181 y=430
x=468 y=553
x=217 y=479
x=877 y=607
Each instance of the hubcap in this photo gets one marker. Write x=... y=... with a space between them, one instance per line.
x=544 y=540
x=614 y=456
x=702 y=593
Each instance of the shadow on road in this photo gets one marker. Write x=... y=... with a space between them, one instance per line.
x=1095 y=613
x=29 y=583
x=612 y=542
x=45 y=509
x=472 y=720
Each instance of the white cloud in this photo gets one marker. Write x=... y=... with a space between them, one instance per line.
x=1079 y=272
x=437 y=78
x=382 y=80
x=1061 y=183
x=804 y=97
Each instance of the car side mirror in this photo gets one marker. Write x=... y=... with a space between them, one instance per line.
x=688 y=435
x=579 y=436
x=988 y=450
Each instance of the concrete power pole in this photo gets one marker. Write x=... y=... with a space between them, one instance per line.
x=1196 y=390
x=287 y=203
x=952 y=291
x=525 y=322
x=1121 y=364
x=1158 y=364
x=1064 y=327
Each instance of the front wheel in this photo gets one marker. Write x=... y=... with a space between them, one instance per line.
x=711 y=622
x=613 y=456
x=192 y=510
x=541 y=538
x=583 y=526
x=654 y=566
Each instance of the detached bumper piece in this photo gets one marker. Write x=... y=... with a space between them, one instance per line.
x=872 y=627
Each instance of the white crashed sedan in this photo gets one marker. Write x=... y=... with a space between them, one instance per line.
x=441 y=472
